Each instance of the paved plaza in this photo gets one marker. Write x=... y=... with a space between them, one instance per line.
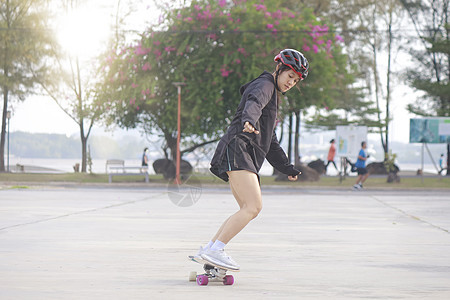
x=132 y=242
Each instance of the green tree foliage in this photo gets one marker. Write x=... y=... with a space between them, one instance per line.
x=214 y=47
x=431 y=71
x=24 y=47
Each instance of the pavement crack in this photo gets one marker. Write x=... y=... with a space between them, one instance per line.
x=80 y=212
x=409 y=215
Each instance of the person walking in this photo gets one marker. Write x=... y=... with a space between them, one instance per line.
x=331 y=154
x=249 y=140
x=441 y=163
x=360 y=165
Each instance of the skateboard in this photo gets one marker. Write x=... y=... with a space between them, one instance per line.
x=212 y=273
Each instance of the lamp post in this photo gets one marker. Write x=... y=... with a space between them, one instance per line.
x=8 y=116
x=177 y=174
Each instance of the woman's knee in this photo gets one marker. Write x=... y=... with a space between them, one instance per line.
x=254 y=210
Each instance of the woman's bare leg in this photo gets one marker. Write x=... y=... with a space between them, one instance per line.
x=246 y=189
x=241 y=204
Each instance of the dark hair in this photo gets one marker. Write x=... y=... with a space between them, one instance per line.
x=362 y=143
x=145 y=149
x=332 y=140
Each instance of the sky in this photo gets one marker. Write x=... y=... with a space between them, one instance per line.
x=87 y=35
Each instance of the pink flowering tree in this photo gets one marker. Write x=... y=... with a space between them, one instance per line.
x=214 y=47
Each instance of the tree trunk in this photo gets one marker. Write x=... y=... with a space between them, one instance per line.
x=3 y=134
x=388 y=84
x=83 y=154
x=297 y=139
x=377 y=84
x=448 y=159
x=289 y=154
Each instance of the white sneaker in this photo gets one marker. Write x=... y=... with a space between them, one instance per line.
x=356 y=187
x=198 y=257
x=220 y=259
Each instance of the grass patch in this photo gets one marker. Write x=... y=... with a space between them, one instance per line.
x=325 y=181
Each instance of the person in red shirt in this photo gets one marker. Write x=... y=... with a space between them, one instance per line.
x=331 y=154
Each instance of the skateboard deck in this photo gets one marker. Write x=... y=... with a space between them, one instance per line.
x=212 y=273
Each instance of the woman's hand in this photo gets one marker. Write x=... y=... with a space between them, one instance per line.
x=249 y=128
x=292 y=178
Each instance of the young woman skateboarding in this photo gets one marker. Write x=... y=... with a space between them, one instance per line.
x=248 y=141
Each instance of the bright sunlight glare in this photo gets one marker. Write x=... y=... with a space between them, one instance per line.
x=84 y=31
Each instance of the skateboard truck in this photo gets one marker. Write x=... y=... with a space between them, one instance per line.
x=212 y=274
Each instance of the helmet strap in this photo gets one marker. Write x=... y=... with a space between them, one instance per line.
x=276 y=81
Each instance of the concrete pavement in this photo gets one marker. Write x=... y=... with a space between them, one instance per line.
x=132 y=243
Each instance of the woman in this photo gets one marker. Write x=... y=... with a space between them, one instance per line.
x=249 y=140
x=331 y=154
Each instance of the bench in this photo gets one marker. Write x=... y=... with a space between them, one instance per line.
x=115 y=163
x=125 y=171
x=116 y=167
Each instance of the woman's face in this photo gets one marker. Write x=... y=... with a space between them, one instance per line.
x=287 y=80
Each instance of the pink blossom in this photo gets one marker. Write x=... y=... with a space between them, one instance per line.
x=146 y=67
x=137 y=107
x=224 y=71
x=170 y=49
x=269 y=26
x=277 y=15
x=260 y=7
x=134 y=85
x=306 y=48
x=132 y=101
x=268 y=14
x=197 y=7
x=241 y=50
x=157 y=53
x=316 y=49
x=157 y=43
x=222 y=3
x=329 y=42
x=291 y=15
x=339 y=38
x=188 y=19
x=179 y=16
x=237 y=61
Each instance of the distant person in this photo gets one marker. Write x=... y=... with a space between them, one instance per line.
x=361 y=167
x=331 y=154
x=145 y=158
x=441 y=163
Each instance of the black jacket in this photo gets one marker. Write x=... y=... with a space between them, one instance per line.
x=258 y=106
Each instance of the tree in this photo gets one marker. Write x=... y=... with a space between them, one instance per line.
x=368 y=29
x=214 y=47
x=431 y=22
x=24 y=49
x=73 y=84
x=431 y=71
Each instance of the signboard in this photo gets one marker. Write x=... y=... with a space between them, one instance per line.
x=348 y=140
x=429 y=130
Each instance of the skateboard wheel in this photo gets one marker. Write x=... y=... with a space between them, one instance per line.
x=192 y=276
x=228 y=280
x=202 y=280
